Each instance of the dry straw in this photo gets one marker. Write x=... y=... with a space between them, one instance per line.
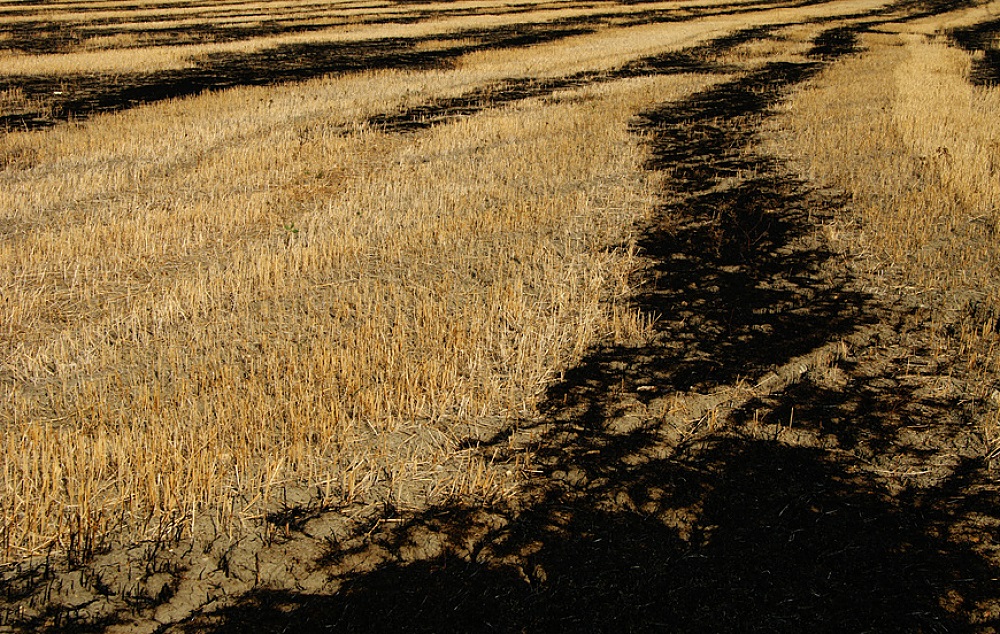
x=922 y=176
x=208 y=300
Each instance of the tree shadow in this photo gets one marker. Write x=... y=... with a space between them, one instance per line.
x=757 y=527
x=84 y=95
x=982 y=39
x=697 y=59
x=777 y=520
x=783 y=539
x=78 y=96
x=741 y=281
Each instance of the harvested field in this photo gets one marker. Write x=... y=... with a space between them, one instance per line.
x=522 y=316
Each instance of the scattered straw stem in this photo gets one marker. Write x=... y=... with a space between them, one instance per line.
x=312 y=295
x=921 y=173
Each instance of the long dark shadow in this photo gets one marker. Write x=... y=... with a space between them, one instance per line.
x=983 y=39
x=632 y=530
x=78 y=96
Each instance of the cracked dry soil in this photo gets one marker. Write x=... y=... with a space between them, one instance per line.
x=788 y=453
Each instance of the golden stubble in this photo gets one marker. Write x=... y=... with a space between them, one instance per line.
x=914 y=144
x=210 y=300
x=109 y=59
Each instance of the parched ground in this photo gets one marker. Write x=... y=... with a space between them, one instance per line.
x=792 y=451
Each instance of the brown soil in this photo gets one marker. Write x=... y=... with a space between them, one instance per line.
x=791 y=451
